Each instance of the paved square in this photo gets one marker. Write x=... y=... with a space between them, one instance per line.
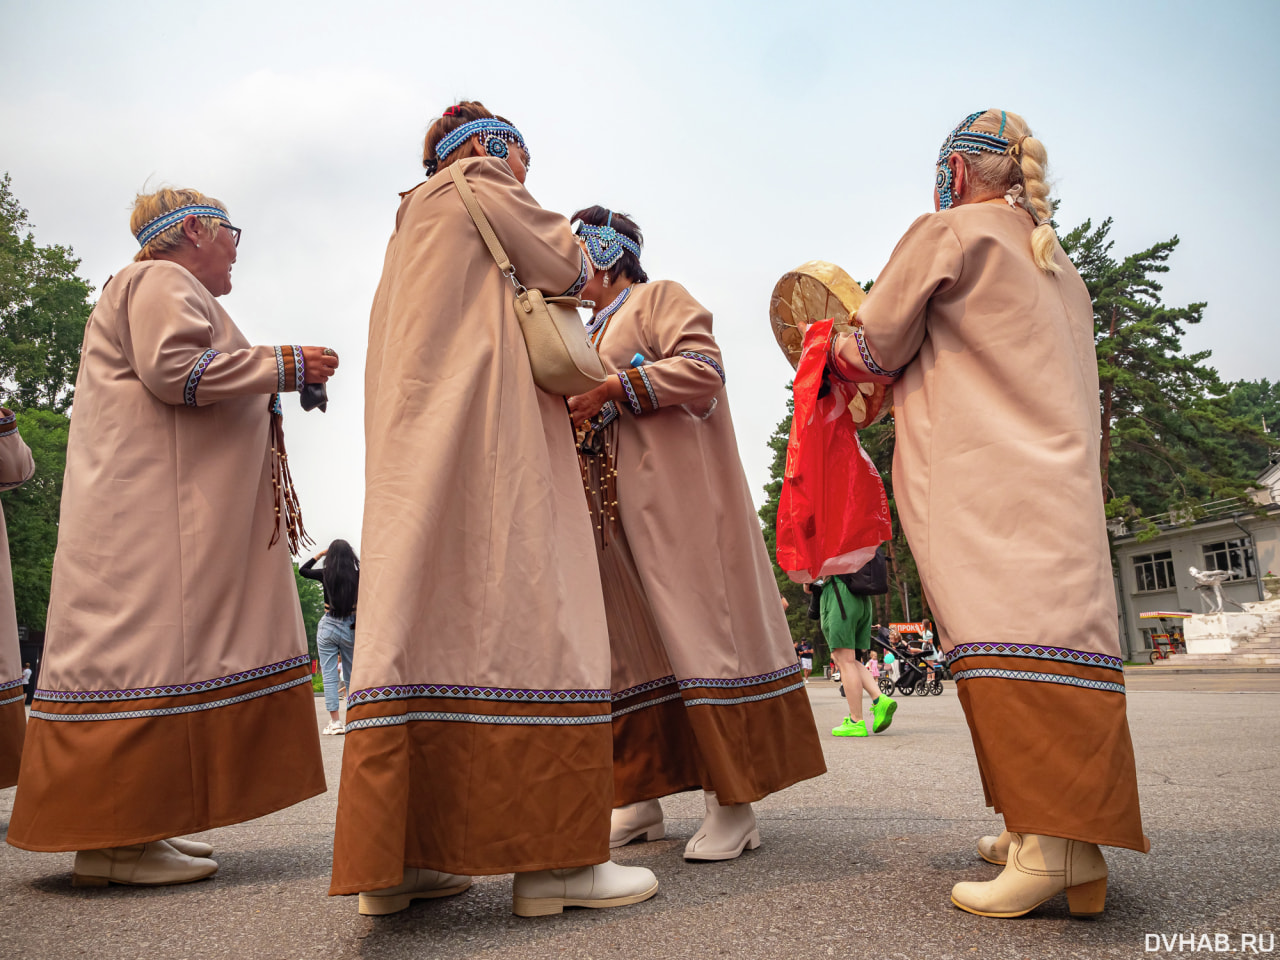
x=858 y=863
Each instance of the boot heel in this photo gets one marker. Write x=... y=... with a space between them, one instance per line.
x=536 y=906
x=1087 y=899
x=78 y=881
x=656 y=832
x=381 y=906
x=753 y=839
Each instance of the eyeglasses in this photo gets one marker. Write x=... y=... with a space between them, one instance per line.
x=235 y=232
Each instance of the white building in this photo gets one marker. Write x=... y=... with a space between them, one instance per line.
x=1229 y=535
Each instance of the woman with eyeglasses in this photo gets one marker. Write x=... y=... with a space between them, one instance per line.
x=707 y=691
x=175 y=692
x=477 y=729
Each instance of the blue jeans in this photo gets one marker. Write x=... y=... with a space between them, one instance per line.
x=335 y=638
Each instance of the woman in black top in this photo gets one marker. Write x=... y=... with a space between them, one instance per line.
x=336 y=634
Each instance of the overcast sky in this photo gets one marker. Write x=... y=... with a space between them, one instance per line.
x=745 y=138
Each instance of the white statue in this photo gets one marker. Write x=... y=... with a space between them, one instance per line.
x=1212 y=578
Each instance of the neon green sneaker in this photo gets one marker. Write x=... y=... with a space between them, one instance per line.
x=848 y=728
x=882 y=712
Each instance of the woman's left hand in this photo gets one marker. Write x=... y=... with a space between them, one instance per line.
x=586 y=405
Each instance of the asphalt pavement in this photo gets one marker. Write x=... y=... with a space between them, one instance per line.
x=858 y=863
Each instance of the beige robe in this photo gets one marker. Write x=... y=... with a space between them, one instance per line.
x=478 y=722
x=16 y=468
x=707 y=691
x=996 y=480
x=175 y=691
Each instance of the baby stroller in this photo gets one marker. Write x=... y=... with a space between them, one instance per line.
x=913 y=672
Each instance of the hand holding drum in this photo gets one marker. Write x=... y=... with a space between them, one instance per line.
x=814 y=291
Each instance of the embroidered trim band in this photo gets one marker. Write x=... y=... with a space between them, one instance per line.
x=193 y=381
x=8 y=425
x=576 y=287
x=299 y=368
x=159 y=224
x=170 y=689
x=598 y=321
x=17 y=682
x=18 y=698
x=1105 y=685
x=734 y=701
x=648 y=387
x=865 y=352
x=279 y=370
x=499 y=694
x=643 y=687
x=633 y=401
x=1035 y=652
x=172 y=711
x=645 y=703
x=740 y=681
x=497 y=719
x=703 y=358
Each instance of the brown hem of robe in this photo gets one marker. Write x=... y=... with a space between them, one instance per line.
x=448 y=790
x=1055 y=759
x=13 y=727
x=91 y=784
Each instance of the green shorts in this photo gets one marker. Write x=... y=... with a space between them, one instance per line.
x=850 y=629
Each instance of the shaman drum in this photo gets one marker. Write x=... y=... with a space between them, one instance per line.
x=814 y=291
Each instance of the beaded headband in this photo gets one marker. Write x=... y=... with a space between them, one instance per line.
x=497 y=134
x=605 y=245
x=158 y=225
x=964 y=140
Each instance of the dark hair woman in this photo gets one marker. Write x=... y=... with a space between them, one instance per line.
x=707 y=691
x=336 y=632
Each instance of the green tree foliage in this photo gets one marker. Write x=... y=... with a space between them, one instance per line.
x=311 y=596
x=43 y=310
x=31 y=513
x=1168 y=439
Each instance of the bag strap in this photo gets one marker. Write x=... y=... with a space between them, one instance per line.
x=482 y=224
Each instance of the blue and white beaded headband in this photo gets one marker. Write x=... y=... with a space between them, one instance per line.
x=605 y=245
x=964 y=140
x=152 y=228
x=496 y=133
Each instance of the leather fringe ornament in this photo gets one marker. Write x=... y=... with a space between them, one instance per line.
x=282 y=481
x=602 y=494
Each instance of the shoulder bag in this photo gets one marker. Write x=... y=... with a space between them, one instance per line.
x=563 y=362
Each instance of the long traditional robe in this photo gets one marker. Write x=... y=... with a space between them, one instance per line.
x=478 y=721
x=706 y=688
x=16 y=468
x=175 y=691
x=995 y=475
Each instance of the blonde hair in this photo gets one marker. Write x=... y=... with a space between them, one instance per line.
x=150 y=206
x=1024 y=165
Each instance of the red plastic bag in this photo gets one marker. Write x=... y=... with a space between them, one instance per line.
x=833 y=511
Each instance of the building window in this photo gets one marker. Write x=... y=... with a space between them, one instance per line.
x=1233 y=555
x=1154 y=571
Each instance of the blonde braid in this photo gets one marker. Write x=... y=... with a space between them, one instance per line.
x=1043 y=238
x=1025 y=162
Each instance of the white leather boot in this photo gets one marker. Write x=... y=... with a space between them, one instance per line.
x=994 y=849
x=543 y=892
x=192 y=848
x=142 y=864
x=418 y=884
x=725 y=831
x=1038 y=869
x=636 y=821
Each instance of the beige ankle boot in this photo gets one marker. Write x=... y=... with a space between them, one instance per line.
x=418 y=884
x=1039 y=868
x=994 y=849
x=724 y=833
x=142 y=864
x=540 y=893
x=636 y=821
x=192 y=848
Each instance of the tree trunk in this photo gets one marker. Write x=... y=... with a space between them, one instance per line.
x=1108 y=400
